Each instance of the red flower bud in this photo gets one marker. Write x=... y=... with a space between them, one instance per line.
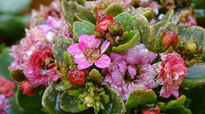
x=169 y=38
x=102 y=22
x=27 y=88
x=76 y=76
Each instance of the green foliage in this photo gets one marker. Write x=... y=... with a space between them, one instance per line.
x=74 y=12
x=95 y=76
x=129 y=41
x=80 y=28
x=146 y=32
x=147 y=12
x=116 y=104
x=29 y=102
x=140 y=97
x=168 y=16
x=126 y=20
x=60 y=46
x=114 y=9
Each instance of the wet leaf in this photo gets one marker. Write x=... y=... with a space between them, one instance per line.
x=51 y=101
x=195 y=32
x=71 y=8
x=116 y=104
x=130 y=40
x=158 y=25
x=69 y=103
x=95 y=76
x=147 y=12
x=140 y=97
x=114 y=9
x=80 y=28
x=126 y=20
x=146 y=32
x=174 y=104
x=169 y=27
x=168 y=16
x=60 y=46
x=29 y=102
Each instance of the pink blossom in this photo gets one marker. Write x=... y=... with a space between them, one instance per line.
x=6 y=87
x=40 y=68
x=172 y=74
x=137 y=62
x=4 y=104
x=86 y=52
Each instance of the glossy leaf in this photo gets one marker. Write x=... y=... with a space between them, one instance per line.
x=195 y=32
x=126 y=20
x=158 y=25
x=169 y=27
x=116 y=104
x=69 y=103
x=174 y=104
x=60 y=46
x=114 y=9
x=130 y=40
x=140 y=97
x=146 y=32
x=71 y=10
x=95 y=76
x=147 y=12
x=168 y=16
x=29 y=102
x=80 y=28
x=51 y=101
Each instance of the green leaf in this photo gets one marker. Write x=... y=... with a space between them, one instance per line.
x=116 y=104
x=51 y=101
x=168 y=16
x=60 y=46
x=158 y=25
x=146 y=32
x=17 y=6
x=114 y=9
x=126 y=20
x=95 y=76
x=72 y=10
x=140 y=97
x=29 y=102
x=147 y=12
x=130 y=40
x=69 y=103
x=80 y=28
x=195 y=32
x=196 y=73
x=174 y=104
x=6 y=60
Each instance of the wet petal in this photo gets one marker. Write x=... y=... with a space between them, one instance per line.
x=91 y=41
x=74 y=49
x=132 y=71
x=103 y=62
x=84 y=64
x=104 y=46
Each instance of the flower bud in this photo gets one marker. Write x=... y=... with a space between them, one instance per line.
x=169 y=38
x=115 y=28
x=88 y=101
x=191 y=47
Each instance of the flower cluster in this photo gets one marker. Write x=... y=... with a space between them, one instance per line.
x=107 y=56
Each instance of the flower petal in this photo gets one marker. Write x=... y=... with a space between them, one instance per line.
x=132 y=71
x=103 y=62
x=79 y=58
x=84 y=64
x=74 y=49
x=91 y=41
x=104 y=46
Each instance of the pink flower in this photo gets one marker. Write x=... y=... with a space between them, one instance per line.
x=40 y=68
x=4 y=104
x=169 y=38
x=86 y=52
x=6 y=87
x=137 y=62
x=172 y=74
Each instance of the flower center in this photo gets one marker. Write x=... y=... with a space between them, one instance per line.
x=47 y=63
x=92 y=54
